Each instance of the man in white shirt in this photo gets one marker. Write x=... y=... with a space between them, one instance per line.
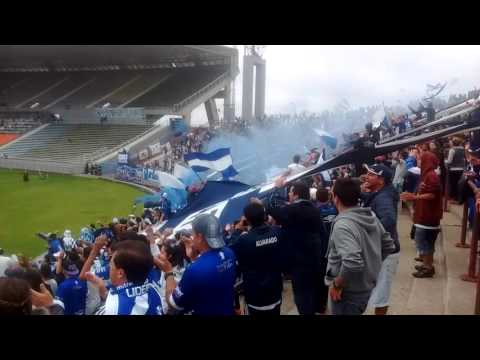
x=295 y=167
x=5 y=263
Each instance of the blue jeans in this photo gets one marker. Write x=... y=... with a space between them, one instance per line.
x=425 y=240
x=350 y=303
x=471 y=210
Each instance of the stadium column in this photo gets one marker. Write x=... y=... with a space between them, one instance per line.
x=188 y=118
x=212 y=114
x=260 y=83
x=247 y=96
x=254 y=70
x=228 y=112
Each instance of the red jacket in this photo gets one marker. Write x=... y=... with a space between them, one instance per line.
x=429 y=212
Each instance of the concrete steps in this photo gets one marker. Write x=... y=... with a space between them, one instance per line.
x=460 y=295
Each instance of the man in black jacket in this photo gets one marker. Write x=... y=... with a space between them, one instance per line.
x=307 y=242
x=260 y=257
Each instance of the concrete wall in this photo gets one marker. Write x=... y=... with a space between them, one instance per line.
x=127 y=116
x=44 y=166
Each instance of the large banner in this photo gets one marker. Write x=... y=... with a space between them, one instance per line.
x=122 y=114
x=142 y=176
x=123 y=158
x=155 y=148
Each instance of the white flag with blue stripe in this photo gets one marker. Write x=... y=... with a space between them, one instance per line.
x=219 y=160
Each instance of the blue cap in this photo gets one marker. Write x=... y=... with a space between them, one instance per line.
x=380 y=170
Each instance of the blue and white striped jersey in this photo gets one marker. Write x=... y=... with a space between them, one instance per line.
x=130 y=299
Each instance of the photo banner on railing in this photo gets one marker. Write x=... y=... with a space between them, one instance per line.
x=142 y=176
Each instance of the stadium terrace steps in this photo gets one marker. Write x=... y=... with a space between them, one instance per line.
x=179 y=86
x=140 y=84
x=72 y=83
x=10 y=81
x=79 y=90
x=35 y=84
x=72 y=144
x=103 y=83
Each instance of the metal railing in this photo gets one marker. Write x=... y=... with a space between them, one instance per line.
x=472 y=274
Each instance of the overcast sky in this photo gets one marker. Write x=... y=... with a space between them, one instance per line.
x=317 y=77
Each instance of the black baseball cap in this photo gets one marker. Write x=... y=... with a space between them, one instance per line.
x=380 y=170
x=475 y=152
x=209 y=226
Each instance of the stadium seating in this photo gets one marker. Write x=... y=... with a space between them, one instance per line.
x=141 y=83
x=30 y=85
x=104 y=83
x=76 y=90
x=179 y=86
x=72 y=143
x=70 y=83
x=9 y=81
x=19 y=122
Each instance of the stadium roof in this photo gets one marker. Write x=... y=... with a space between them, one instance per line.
x=16 y=57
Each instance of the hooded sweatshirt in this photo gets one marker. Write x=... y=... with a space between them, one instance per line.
x=429 y=212
x=358 y=245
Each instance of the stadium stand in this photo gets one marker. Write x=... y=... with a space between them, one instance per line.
x=104 y=83
x=179 y=86
x=72 y=143
x=97 y=98
x=30 y=85
x=142 y=82
x=70 y=83
x=15 y=124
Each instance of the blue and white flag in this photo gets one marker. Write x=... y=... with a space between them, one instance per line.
x=185 y=175
x=327 y=138
x=167 y=180
x=218 y=160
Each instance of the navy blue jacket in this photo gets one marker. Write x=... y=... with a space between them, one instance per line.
x=306 y=236
x=384 y=204
x=261 y=256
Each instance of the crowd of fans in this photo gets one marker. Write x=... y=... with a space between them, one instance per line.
x=93 y=169
x=336 y=239
x=320 y=234
x=127 y=268
x=174 y=151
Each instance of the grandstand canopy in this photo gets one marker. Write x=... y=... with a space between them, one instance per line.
x=91 y=57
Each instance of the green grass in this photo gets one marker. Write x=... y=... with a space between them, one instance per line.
x=54 y=204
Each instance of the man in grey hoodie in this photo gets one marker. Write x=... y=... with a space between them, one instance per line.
x=358 y=245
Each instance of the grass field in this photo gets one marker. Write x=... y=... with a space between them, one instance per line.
x=54 y=204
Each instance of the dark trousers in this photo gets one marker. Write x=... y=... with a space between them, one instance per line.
x=273 y=312
x=411 y=182
x=350 y=304
x=309 y=292
x=453 y=179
